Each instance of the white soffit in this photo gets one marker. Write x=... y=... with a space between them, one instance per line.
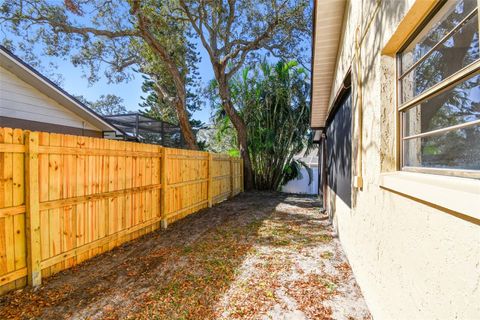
x=327 y=34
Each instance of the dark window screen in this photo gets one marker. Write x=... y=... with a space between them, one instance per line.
x=339 y=150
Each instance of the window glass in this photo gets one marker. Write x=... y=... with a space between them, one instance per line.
x=442 y=129
x=457 y=149
x=459 y=104
x=457 y=51
x=449 y=16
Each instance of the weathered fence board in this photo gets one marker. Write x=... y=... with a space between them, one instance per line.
x=65 y=199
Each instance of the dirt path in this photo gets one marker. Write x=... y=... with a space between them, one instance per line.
x=258 y=256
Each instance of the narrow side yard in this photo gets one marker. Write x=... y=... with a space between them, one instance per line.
x=257 y=256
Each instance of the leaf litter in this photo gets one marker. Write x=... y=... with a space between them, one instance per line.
x=259 y=255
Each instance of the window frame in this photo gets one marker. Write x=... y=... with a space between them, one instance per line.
x=466 y=72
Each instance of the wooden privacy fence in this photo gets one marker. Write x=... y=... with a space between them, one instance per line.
x=65 y=199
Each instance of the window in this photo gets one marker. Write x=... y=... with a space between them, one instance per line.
x=439 y=93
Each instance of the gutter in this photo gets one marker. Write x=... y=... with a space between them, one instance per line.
x=312 y=60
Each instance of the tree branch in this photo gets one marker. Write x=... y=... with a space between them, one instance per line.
x=198 y=28
x=67 y=28
x=244 y=47
x=163 y=53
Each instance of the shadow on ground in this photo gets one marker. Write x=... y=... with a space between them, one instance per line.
x=228 y=262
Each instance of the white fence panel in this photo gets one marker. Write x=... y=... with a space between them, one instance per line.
x=300 y=184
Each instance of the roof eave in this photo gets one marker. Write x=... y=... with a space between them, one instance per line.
x=327 y=28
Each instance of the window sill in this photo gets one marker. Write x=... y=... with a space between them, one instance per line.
x=461 y=195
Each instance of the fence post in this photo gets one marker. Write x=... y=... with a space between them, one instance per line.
x=232 y=182
x=210 y=180
x=163 y=193
x=32 y=205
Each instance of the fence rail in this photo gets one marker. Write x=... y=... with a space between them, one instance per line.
x=65 y=199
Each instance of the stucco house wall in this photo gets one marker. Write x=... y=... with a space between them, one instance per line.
x=412 y=258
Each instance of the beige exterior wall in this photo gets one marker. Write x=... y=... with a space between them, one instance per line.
x=412 y=259
x=20 y=100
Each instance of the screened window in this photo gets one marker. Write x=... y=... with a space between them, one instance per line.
x=439 y=93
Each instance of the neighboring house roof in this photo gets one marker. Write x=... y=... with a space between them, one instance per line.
x=34 y=78
x=327 y=29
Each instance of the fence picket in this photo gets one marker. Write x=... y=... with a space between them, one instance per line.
x=65 y=199
x=33 y=210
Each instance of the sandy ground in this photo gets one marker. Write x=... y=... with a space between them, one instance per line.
x=257 y=256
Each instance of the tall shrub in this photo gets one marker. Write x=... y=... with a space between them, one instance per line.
x=273 y=102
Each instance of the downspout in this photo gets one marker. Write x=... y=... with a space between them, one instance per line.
x=358 y=179
x=324 y=170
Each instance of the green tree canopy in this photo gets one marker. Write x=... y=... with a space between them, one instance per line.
x=116 y=38
x=106 y=105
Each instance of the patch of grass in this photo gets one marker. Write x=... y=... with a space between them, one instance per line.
x=326 y=255
x=281 y=242
x=278 y=232
x=320 y=238
x=254 y=225
x=331 y=286
x=269 y=294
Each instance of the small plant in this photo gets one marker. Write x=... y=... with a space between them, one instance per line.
x=329 y=285
x=326 y=255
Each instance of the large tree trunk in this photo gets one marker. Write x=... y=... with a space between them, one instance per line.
x=178 y=79
x=185 y=126
x=241 y=129
x=182 y=115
